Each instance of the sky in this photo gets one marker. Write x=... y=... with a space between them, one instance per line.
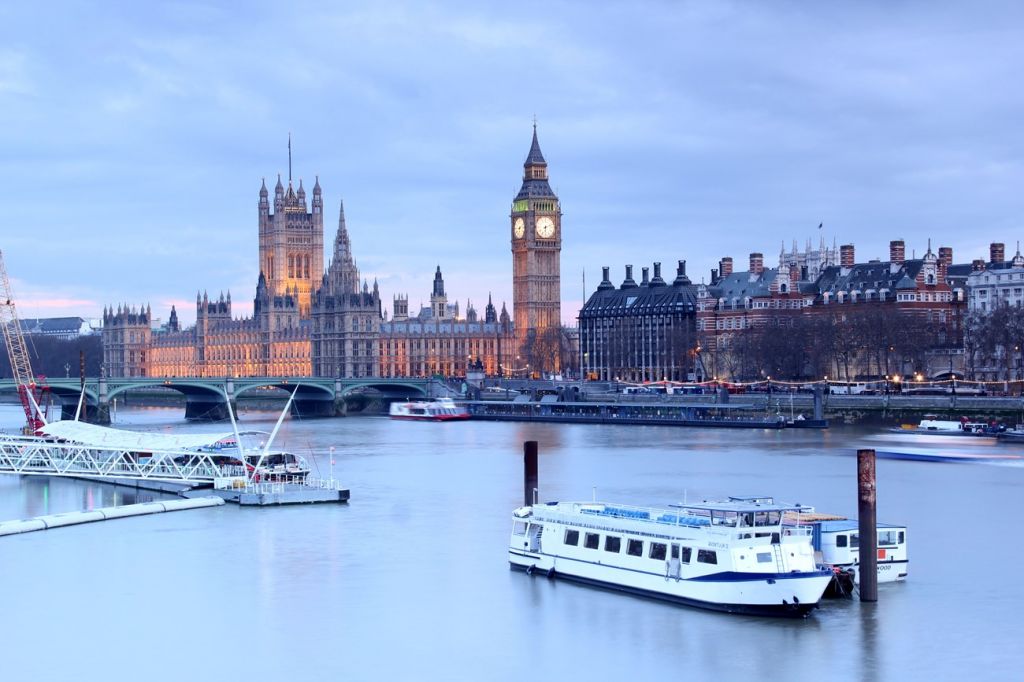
x=134 y=137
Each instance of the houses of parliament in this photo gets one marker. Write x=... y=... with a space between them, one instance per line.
x=312 y=321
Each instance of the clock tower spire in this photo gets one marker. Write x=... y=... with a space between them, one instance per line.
x=536 y=222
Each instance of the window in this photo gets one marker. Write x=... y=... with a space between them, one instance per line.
x=902 y=538
x=572 y=537
x=687 y=554
x=592 y=541
x=519 y=528
x=887 y=538
x=764 y=557
x=635 y=548
x=707 y=556
x=840 y=541
x=855 y=541
x=657 y=551
x=612 y=543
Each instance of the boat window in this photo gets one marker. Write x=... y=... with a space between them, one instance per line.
x=747 y=519
x=657 y=551
x=519 y=528
x=723 y=518
x=764 y=557
x=774 y=518
x=887 y=538
x=613 y=543
x=707 y=556
x=902 y=538
x=572 y=537
x=591 y=540
x=687 y=554
x=635 y=548
x=840 y=541
x=675 y=552
x=855 y=541
x=761 y=518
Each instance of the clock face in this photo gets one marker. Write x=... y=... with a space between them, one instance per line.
x=519 y=228
x=545 y=227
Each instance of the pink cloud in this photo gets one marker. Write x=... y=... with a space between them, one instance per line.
x=50 y=303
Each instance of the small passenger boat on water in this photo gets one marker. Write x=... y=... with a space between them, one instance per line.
x=836 y=542
x=734 y=556
x=948 y=427
x=440 y=410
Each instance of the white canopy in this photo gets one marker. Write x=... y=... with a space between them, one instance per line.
x=102 y=436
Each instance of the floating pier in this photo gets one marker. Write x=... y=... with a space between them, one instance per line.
x=736 y=416
x=248 y=493
x=104 y=514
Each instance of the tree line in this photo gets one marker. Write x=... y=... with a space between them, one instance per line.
x=54 y=357
x=844 y=345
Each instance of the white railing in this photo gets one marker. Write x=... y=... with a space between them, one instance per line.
x=29 y=455
x=281 y=484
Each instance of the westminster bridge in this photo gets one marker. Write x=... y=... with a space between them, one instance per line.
x=207 y=398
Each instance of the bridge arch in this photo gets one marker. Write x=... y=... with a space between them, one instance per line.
x=388 y=388
x=300 y=388
x=186 y=388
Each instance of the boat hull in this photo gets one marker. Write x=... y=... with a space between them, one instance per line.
x=938 y=456
x=431 y=418
x=786 y=595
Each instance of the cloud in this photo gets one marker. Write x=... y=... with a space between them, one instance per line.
x=135 y=137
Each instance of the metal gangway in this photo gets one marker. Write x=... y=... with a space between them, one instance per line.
x=39 y=456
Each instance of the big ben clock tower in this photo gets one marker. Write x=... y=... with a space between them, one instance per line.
x=536 y=223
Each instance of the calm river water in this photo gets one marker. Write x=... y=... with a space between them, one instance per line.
x=410 y=580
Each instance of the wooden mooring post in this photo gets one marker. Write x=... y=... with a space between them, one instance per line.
x=867 y=526
x=529 y=472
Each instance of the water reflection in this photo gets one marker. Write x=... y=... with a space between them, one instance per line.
x=410 y=580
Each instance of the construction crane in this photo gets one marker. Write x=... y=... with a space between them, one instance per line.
x=30 y=389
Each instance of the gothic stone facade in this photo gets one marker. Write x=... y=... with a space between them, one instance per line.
x=438 y=341
x=275 y=341
x=536 y=223
x=346 y=319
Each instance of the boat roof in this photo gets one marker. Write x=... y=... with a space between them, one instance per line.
x=106 y=437
x=738 y=504
x=839 y=526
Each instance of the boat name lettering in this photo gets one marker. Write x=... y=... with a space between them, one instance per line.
x=718 y=544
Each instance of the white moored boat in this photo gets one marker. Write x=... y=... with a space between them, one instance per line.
x=838 y=542
x=732 y=556
x=440 y=410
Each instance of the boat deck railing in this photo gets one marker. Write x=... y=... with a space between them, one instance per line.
x=280 y=485
x=679 y=516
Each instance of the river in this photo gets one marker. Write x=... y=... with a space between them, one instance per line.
x=410 y=580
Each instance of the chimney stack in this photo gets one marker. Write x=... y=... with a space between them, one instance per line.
x=794 y=274
x=846 y=257
x=628 y=283
x=714 y=275
x=756 y=263
x=681 y=278
x=897 y=252
x=645 y=281
x=946 y=255
x=977 y=265
x=725 y=266
x=997 y=253
x=657 y=281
